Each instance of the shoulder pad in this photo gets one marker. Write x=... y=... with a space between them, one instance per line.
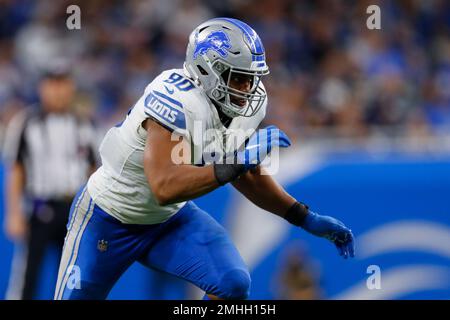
x=164 y=99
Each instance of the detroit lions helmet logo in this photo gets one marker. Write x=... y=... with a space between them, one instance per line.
x=216 y=40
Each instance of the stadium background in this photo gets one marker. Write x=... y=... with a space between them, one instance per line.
x=368 y=110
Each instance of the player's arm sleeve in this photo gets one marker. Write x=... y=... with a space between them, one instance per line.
x=167 y=111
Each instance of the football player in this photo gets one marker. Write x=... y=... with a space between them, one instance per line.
x=138 y=205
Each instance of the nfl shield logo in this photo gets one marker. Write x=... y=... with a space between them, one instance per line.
x=102 y=245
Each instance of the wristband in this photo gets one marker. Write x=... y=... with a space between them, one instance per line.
x=297 y=214
x=225 y=173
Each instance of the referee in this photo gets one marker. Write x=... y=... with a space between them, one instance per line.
x=50 y=153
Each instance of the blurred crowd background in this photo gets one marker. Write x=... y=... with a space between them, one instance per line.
x=329 y=73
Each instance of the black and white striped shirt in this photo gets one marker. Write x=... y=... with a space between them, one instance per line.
x=56 y=150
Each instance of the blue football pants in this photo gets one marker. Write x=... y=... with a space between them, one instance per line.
x=191 y=245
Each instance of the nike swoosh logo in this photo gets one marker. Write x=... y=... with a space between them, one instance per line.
x=168 y=90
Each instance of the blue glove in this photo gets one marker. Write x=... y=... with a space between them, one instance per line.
x=331 y=229
x=260 y=145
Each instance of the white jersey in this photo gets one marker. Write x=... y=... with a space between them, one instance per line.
x=120 y=185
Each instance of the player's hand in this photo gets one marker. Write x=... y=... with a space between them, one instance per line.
x=260 y=145
x=331 y=229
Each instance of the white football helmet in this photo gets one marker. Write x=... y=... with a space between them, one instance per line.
x=219 y=49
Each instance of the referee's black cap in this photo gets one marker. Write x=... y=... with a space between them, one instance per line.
x=58 y=69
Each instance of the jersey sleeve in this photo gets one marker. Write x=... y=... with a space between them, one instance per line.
x=165 y=104
x=14 y=144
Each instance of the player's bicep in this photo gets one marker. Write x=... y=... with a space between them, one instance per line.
x=163 y=149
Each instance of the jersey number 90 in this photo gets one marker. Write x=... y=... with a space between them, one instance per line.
x=179 y=82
